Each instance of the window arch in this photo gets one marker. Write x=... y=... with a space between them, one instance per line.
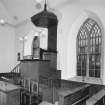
x=35 y=47
x=89 y=41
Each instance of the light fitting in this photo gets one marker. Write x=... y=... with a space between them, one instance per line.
x=2 y=21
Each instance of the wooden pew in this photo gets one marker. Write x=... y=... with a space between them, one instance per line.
x=97 y=99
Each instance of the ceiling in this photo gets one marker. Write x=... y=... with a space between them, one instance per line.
x=20 y=10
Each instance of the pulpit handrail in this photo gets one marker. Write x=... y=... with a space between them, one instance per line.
x=16 y=69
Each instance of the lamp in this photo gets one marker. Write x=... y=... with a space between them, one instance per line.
x=3 y=23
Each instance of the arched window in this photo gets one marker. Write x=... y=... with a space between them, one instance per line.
x=89 y=41
x=36 y=48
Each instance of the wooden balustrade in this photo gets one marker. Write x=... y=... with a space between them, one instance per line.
x=13 y=75
x=16 y=69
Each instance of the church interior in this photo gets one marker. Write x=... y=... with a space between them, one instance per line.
x=52 y=52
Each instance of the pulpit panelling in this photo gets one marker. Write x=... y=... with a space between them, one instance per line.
x=34 y=68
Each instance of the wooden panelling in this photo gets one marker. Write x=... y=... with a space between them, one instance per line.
x=52 y=56
x=70 y=84
x=34 y=68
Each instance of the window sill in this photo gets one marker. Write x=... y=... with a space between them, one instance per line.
x=89 y=80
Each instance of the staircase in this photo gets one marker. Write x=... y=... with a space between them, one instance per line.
x=13 y=76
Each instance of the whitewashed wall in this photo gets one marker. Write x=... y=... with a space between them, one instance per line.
x=7 y=42
x=73 y=16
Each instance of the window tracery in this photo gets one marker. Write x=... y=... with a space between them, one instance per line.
x=89 y=41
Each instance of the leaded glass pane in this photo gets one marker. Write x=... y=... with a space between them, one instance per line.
x=95 y=51
x=89 y=47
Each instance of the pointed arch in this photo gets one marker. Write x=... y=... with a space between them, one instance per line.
x=89 y=47
x=35 y=47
